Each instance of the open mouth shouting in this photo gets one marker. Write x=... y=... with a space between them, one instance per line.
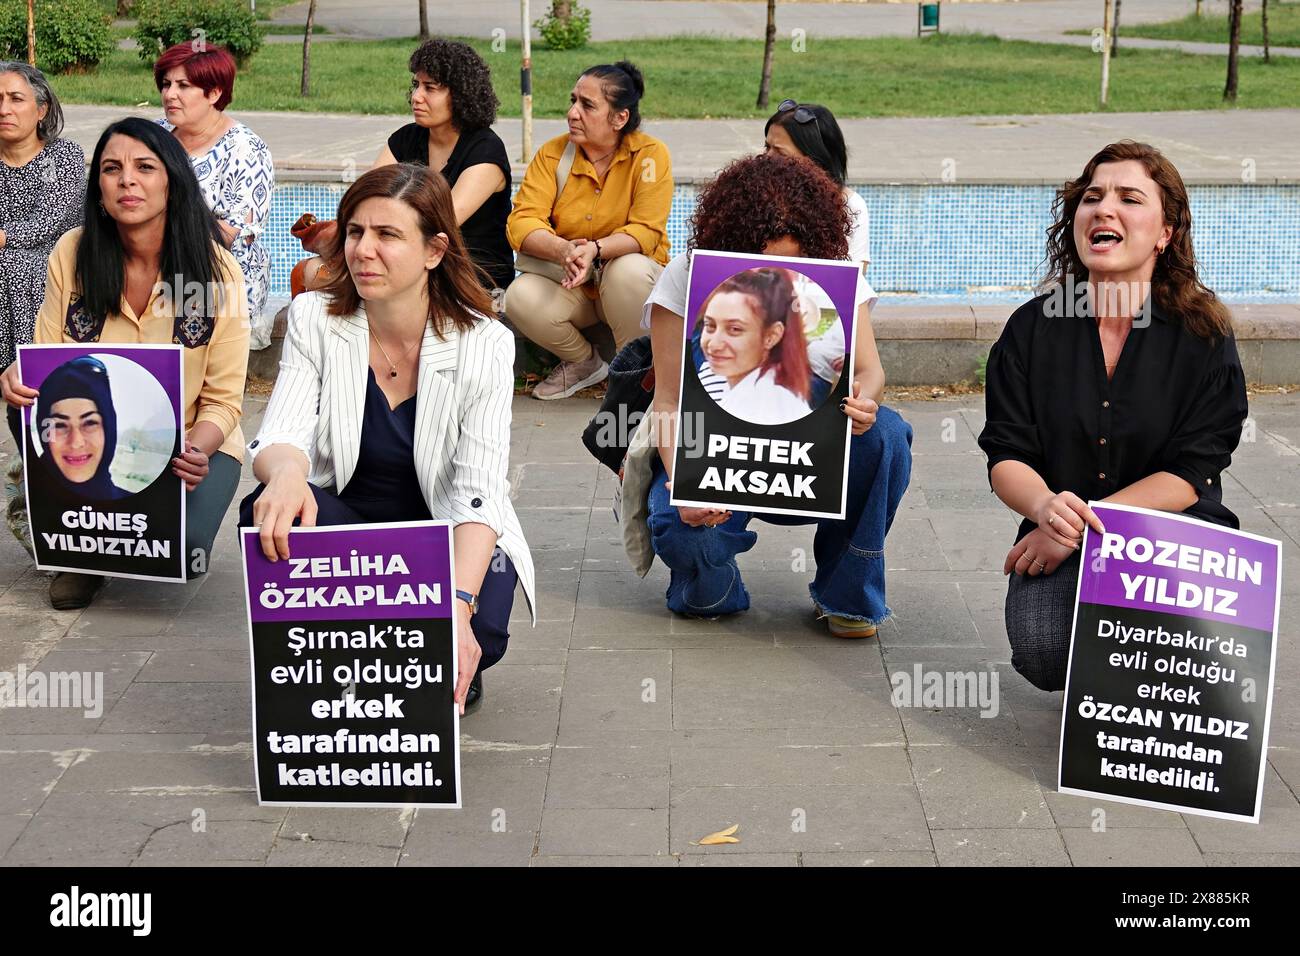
x=1102 y=238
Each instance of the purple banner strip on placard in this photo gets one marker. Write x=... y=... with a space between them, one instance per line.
x=1170 y=564
x=352 y=573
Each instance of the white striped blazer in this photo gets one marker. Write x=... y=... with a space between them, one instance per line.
x=462 y=416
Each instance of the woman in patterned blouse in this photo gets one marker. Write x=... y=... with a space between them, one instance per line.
x=42 y=186
x=231 y=162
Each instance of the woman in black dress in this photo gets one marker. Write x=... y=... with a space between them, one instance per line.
x=1122 y=383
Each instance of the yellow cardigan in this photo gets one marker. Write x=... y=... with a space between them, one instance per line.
x=215 y=361
x=635 y=197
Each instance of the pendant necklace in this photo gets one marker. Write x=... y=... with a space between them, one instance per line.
x=392 y=369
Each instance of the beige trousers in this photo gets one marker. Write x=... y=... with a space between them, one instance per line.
x=552 y=316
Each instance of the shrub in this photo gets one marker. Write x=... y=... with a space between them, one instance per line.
x=566 y=34
x=72 y=36
x=227 y=23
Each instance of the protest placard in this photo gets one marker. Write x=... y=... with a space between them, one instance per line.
x=353 y=654
x=1170 y=681
x=97 y=450
x=767 y=357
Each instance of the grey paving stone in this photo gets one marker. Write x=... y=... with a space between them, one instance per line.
x=11 y=825
x=740 y=859
x=1278 y=830
x=189 y=707
x=1131 y=847
x=602 y=861
x=500 y=819
x=599 y=832
x=877 y=817
x=76 y=841
x=1076 y=812
x=879 y=859
x=929 y=615
x=964 y=727
x=605 y=692
x=160 y=773
x=155 y=810
x=609 y=777
x=26 y=780
x=97 y=622
x=799 y=688
x=321 y=853
x=1010 y=847
x=735 y=760
x=370 y=825
x=521 y=705
x=968 y=788
x=243 y=841
x=57 y=743
x=556 y=596
x=198 y=666
x=1253 y=859
x=975 y=542
x=912 y=544
x=612 y=602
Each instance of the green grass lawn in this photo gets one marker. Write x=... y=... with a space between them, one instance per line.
x=1283 y=28
x=946 y=75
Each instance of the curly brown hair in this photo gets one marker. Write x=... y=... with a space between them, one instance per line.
x=758 y=199
x=1175 y=286
x=458 y=67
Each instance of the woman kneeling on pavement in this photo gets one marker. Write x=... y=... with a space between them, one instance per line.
x=145 y=219
x=393 y=403
x=772 y=205
x=591 y=226
x=1131 y=394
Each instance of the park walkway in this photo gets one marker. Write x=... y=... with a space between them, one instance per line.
x=761 y=720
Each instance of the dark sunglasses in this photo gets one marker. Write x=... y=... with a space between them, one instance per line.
x=802 y=114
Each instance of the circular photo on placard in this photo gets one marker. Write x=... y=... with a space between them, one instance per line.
x=768 y=345
x=103 y=427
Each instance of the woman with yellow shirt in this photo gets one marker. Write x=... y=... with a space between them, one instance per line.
x=590 y=222
x=149 y=266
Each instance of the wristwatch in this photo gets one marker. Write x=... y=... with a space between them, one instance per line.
x=470 y=599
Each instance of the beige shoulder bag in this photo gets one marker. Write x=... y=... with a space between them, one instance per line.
x=545 y=267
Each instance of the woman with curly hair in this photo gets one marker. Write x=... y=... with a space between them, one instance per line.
x=1132 y=392
x=769 y=205
x=453 y=107
x=591 y=226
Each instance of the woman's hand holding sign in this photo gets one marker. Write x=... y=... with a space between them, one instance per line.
x=1063 y=516
x=287 y=496
x=700 y=517
x=1036 y=553
x=861 y=410
x=15 y=392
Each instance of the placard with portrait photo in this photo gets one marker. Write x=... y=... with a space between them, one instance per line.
x=98 y=445
x=766 y=361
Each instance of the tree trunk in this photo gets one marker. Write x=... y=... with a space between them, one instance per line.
x=1106 y=15
x=1234 y=43
x=31 y=32
x=1114 y=31
x=1264 y=24
x=306 y=50
x=424 y=20
x=769 y=49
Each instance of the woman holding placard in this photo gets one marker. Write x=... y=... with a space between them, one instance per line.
x=1133 y=394
x=149 y=266
x=770 y=205
x=393 y=403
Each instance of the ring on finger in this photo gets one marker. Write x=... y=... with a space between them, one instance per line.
x=1052 y=520
x=1041 y=565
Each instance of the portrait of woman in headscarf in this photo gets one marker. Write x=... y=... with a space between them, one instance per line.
x=77 y=430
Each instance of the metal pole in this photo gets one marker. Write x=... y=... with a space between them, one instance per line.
x=526 y=80
x=1105 y=54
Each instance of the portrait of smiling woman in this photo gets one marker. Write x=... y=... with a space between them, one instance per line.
x=77 y=430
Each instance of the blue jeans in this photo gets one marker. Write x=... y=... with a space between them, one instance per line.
x=850 y=554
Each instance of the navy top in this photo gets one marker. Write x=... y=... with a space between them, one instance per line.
x=385 y=486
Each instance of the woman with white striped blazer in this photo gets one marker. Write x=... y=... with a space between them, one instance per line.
x=393 y=404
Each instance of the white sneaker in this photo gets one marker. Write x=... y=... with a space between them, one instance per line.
x=569 y=377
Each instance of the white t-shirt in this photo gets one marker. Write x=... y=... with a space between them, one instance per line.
x=860 y=235
x=758 y=399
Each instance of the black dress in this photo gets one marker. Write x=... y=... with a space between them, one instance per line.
x=384 y=486
x=485 y=230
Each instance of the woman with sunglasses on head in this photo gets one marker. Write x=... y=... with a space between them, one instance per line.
x=1137 y=397
x=808 y=131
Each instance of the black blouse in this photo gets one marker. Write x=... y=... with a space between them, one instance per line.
x=1176 y=403
x=485 y=230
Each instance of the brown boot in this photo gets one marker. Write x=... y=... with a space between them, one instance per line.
x=70 y=591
